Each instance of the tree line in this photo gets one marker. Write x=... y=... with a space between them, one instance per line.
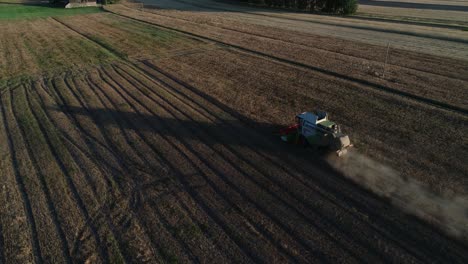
x=344 y=7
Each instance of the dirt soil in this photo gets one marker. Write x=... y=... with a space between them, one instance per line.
x=154 y=146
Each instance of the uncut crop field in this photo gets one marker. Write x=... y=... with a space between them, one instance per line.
x=128 y=141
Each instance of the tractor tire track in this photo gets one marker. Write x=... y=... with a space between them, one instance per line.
x=35 y=246
x=109 y=75
x=338 y=199
x=16 y=241
x=356 y=82
x=126 y=168
x=338 y=202
x=52 y=210
x=159 y=215
x=230 y=183
x=141 y=154
x=167 y=102
x=2 y=243
x=94 y=158
x=192 y=192
x=71 y=186
x=257 y=171
x=88 y=179
x=187 y=184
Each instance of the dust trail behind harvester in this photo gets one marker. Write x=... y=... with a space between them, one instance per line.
x=449 y=214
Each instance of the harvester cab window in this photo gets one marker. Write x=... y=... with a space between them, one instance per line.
x=321 y=115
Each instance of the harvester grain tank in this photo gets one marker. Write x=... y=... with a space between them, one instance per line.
x=316 y=130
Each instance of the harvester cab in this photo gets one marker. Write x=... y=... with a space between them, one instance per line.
x=316 y=130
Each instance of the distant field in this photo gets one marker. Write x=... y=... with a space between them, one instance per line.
x=29 y=11
x=437 y=12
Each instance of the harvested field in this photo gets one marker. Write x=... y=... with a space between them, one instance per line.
x=408 y=91
x=127 y=142
x=346 y=60
x=135 y=166
x=435 y=12
x=421 y=38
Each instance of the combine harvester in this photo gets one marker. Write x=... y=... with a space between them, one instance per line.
x=315 y=130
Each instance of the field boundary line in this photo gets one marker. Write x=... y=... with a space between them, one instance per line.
x=365 y=83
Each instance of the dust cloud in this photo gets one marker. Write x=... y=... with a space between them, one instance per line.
x=450 y=214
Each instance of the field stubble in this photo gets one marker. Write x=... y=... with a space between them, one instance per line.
x=123 y=160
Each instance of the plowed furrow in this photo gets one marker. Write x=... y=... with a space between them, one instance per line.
x=62 y=171
x=290 y=200
x=217 y=172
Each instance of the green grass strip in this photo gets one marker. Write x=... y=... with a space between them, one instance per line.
x=26 y=11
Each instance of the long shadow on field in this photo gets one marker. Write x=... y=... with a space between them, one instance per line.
x=183 y=127
x=404 y=231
